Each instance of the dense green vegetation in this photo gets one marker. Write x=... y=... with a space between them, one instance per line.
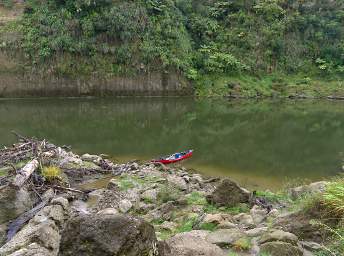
x=206 y=40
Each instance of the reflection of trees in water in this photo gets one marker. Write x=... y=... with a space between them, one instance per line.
x=274 y=138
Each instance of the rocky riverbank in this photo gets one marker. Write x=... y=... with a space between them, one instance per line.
x=151 y=209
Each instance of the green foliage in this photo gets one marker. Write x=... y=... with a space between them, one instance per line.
x=187 y=224
x=7 y=3
x=126 y=183
x=197 y=38
x=208 y=226
x=273 y=197
x=196 y=198
x=240 y=208
x=333 y=198
x=335 y=245
x=3 y=171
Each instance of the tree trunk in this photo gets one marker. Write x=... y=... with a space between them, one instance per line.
x=25 y=173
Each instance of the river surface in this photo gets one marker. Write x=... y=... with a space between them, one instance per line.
x=261 y=144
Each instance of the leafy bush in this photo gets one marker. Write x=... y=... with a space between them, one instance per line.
x=194 y=37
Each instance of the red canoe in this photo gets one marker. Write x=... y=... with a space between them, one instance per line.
x=176 y=157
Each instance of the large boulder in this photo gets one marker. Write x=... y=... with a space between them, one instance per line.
x=225 y=237
x=192 y=244
x=258 y=214
x=313 y=188
x=228 y=193
x=178 y=182
x=278 y=248
x=279 y=235
x=108 y=235
x=218 y=218
x=244 y=219
x=164 y=211
x=300 y=224
x=150 y=195
x=41 y=236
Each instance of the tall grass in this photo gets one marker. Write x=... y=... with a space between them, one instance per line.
x=333 y=198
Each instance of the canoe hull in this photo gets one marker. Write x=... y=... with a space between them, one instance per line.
x=171 y=161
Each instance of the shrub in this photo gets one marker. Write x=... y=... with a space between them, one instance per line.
x=51 y=172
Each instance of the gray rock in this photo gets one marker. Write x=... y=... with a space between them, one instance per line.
x=125 y=205
x=299 y=223
x=258 y=214
x=224 y=237
x=168 y=225
x=134 y=166
x=103 y=198
x=217 y=218
x=133 y=195
x=48 y=195
x=256 y=231
x=313 y=188
x=70 y=162
x=177 y=181
x=196 y=178
x=108 y=235
x=143 y=207
x=192 y=244
x=228 y=193
x=41 y=236
x=61 y=201
x=113 y=185
x=108 y=211
x=278 y=248
x=254 y=250
x=90 y=158
x=273 y=213
x=80 y=207
x=244 y=219
x=279 y=235
x=164 y=212
x=150 y=195
x=226 y=225
x=311 y=246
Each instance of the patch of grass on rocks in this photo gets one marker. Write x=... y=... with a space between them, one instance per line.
x=196 y=198
x=125 y=183
x=168 y=193
x=208 y=226
x=3 y=171
x=242 y=244
x=240 y=208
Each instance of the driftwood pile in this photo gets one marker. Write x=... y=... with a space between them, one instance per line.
x=35 y=153
x=27 y=149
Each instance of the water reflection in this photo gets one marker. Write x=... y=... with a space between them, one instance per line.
x=257 y=143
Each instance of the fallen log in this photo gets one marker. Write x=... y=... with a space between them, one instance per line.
x=69 y=189
x=25 y=173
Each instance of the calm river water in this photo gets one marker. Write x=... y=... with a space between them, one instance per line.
x=258 y=143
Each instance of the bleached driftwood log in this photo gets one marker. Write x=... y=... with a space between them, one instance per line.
x=25 y=173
